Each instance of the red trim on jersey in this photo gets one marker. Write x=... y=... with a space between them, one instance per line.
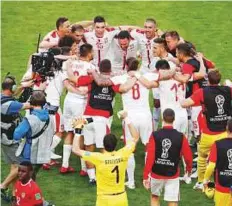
x=198 y=98
x=140 y=31
x=28 y=194
x=84 y=81
x=57 y=119
x=107 y=130
x=54 y=34
x=209 y=64
x=187 y=69
x=213 y=158
x=124 y=59
x=109 y=29
x=185 y=152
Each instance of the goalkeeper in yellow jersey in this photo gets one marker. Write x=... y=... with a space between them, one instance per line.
x=110 y=165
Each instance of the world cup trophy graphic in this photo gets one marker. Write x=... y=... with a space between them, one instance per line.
x=229 y=155
x=166 y=144
x=220 y=100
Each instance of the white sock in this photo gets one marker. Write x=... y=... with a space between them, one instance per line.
x=83 y=165
x=91 y=174
x=55 y=141
x=131 y=169
x=67 y=149
x=156 y=117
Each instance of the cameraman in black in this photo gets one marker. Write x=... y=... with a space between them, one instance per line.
x=10 y=118
x=51 y=78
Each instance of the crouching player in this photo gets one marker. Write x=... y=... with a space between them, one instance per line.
x=110 y=165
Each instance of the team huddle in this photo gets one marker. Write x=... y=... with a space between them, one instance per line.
x=94 y=61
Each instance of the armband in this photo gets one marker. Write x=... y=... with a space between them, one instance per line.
x=78 y=130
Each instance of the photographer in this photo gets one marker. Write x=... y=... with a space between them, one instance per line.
x=35 y=133
x=50 y=76
x=10 y=118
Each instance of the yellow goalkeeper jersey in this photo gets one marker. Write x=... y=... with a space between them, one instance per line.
x=110 y=169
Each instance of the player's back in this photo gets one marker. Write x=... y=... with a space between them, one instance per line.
x=80 y=68
x=110 y=170
x=136 y=99
x=172 y=93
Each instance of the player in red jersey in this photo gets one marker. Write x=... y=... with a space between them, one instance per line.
x=27 y=192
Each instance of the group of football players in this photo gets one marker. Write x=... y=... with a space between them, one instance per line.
x=101 y=60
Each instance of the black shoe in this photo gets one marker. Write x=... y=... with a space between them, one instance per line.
x=92 y=182
x=5 y=195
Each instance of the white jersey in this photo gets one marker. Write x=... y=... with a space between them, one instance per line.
x=54 y=88
x=156 y=59
x=171 y=93
x=100 y=45
x=80 y=68
x=145 y=48
x=118 y=56
x=136 y=100
x=52 y=37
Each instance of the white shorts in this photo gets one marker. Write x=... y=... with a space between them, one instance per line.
x=95 y=132
x=171 y=188
x=72 y=109
x=58 y=120
x=195 y=119
x=142 y=123
x=156 y=93
x=181 y=121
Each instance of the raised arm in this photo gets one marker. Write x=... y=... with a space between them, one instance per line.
x=85 y=23
x=70 y=88
x=134 y=133
x=166 y=74
x=202 y=71
x=128 y=85
x=183 y=78
x=78 y=125
x=101 y=80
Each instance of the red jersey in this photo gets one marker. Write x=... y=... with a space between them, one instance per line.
x=28 y=194
x=198 y=98
x=185 y=152
x=90 y=111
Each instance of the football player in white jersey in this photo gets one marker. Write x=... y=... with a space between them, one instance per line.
x=136 y=104
x=100 y=38
x=77 y=32
x=159 y=52
x=74 y=104
x=145 y=38
x=53 y=37
x=122 y=47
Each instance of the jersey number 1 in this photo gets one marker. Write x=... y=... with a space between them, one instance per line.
x=117 y=173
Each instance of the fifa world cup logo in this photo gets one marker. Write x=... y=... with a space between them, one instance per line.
x=219 y=99
x=229 y=155
x=166 y=144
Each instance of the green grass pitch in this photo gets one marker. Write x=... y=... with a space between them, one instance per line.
x=207 y=24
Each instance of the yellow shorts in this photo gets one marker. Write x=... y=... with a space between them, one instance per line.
x=204 y=147
x=222 y=199
x=112 y=200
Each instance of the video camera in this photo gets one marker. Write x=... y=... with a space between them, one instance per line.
x=45 y=63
